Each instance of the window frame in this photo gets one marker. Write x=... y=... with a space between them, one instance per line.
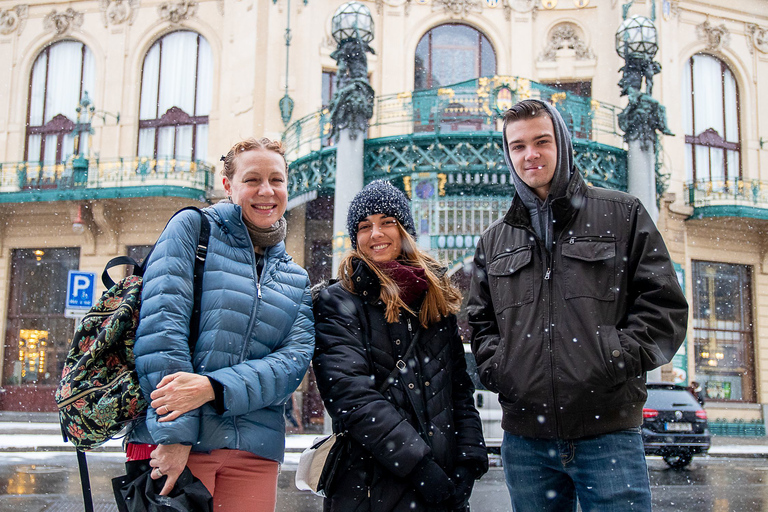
x=60 y=125
x=174 y=116
x=709 y=138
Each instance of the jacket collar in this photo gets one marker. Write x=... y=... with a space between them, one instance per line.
x=365 y=281
x=563 y=207
x=229 y=218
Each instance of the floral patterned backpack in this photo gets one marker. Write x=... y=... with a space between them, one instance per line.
x=99 y=392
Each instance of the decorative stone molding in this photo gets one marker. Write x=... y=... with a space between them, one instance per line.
x=716 y=37
x=116 y=12
x=458 y=7
x=563 y=36
x=178 y=12
x=670 y=9
x=13 y=19
x=759 y=37
x=64 y=22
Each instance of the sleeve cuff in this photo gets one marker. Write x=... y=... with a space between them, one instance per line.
x=218 y=400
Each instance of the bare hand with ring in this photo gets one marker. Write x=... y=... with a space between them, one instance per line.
x=179 y=393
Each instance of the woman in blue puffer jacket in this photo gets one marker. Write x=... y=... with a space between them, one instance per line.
x=220 y=411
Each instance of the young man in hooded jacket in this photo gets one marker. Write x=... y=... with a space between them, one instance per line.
x=573 y=299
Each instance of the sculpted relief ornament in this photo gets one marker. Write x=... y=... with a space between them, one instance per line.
x=566 y=36
x=759 y=37
x=62 y=23
x=178 y=12
x=13 y=19
x=116 y=12
x=716 y=37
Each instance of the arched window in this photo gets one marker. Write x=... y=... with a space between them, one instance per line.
x=711 y=108
x=61 y=75
x=176 y=98
x=452 y=53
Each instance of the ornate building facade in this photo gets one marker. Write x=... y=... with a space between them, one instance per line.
x=113 y=114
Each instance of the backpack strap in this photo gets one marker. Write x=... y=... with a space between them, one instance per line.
x=200 y=255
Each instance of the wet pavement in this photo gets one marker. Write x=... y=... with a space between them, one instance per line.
x=48 y=482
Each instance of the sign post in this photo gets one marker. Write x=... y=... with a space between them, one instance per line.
x=81 y=293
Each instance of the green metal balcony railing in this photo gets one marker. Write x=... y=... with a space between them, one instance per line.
x=79 y=178
x=728 y=198
x=470 y=162
x=471 y=106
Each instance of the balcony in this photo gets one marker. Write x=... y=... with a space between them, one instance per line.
x=455 y=131
x=82 y=179
x=728 y=198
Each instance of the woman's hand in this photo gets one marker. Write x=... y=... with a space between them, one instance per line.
x=179 y=393
x=168 y=460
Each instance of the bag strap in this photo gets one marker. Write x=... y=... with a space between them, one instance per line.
x=138 y=269
x=400 y=364
x=85 y=481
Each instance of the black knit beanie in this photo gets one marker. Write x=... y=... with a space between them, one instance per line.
x=379 y=197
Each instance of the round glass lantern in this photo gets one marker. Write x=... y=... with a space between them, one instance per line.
x=637 y=37
x=352 y=20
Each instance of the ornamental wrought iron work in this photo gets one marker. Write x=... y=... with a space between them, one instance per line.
x=466 y=107
x=728 y=198
x=471 y=163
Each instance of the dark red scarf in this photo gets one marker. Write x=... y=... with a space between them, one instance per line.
x=412 y=281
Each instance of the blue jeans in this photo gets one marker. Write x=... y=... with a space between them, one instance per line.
x=607 y=473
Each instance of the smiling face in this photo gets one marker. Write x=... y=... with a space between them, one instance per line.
x=260 y=186
x=378 y=238
x=533 y=152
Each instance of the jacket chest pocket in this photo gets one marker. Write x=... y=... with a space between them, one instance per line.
x=510 y=277
x=589 y=267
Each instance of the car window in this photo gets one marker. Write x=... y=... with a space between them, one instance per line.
x=667 y=398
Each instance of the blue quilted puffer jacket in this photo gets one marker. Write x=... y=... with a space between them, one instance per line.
x=256 y=337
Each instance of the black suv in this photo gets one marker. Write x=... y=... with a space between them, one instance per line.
x=674 y=424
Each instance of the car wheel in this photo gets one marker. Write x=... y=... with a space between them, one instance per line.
x=678 y=460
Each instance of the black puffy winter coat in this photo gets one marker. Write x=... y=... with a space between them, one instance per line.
x=356 y=349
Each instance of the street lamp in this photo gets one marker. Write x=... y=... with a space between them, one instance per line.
x=349 y=111
x=352 y=104
x=637 y=37
x=352 y=20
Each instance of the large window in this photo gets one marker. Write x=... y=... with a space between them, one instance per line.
x=176 y=98
x=452 y=53
x=723 y=330
x=61 y=75
x=711 y=116
x=38 y=335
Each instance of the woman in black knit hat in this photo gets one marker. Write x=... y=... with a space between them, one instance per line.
x=390 y=367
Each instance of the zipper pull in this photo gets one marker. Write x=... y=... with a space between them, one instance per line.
x=546 y=276
x=572 y=240
x=409 y=325
x=258 y=290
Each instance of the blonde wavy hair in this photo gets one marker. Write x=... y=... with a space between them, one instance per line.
x=442 y=297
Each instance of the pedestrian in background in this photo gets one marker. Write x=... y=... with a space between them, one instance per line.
x=697 y=391
x=219 y=411
x=573 y=299
x=419 y=444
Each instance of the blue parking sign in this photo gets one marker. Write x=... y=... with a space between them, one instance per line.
x=81 y=290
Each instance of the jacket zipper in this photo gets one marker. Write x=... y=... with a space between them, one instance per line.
x=550 y=339
x=252 y=321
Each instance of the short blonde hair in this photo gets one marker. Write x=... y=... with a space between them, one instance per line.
x=251 y=144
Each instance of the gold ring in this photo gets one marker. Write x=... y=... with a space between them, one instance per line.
x=166 y=410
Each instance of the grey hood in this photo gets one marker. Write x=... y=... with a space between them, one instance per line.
x=540 y=211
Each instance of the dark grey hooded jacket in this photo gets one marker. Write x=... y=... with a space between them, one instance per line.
x=566 y=335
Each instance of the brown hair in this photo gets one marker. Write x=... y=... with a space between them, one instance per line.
x=442 y=297
x=526 y=109
x=251 y=144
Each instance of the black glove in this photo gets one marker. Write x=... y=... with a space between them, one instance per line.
x=464 y=479
x=431 y=482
